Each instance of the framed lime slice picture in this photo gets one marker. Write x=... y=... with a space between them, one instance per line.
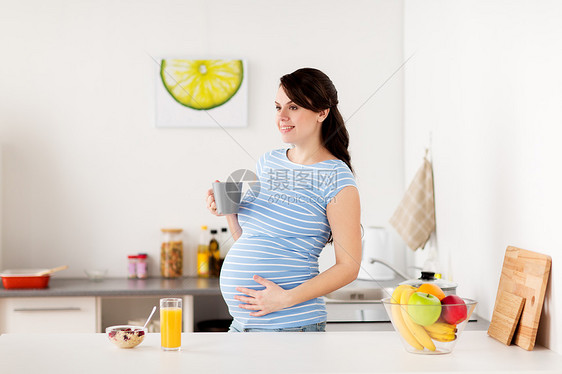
x=201 y=93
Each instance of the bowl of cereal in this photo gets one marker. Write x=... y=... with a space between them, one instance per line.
x=126 y=336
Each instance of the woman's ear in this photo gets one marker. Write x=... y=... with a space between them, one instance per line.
x=323 y=114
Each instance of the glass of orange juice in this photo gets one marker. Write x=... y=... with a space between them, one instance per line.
x=170 y=323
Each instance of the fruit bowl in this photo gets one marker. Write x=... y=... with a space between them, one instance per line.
x=126 y=336
x=426 y=326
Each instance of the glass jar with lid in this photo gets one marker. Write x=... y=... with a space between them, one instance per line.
x=171 y=253
x=142 y=266
x=132 y=266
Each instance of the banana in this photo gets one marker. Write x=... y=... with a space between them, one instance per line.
x=441 y=331
x=418 y=331
x=442 y=337
x=399 y=320
x=395 y=299
x=441 y=328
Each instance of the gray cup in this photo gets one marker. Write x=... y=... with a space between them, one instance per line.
x=227 y=196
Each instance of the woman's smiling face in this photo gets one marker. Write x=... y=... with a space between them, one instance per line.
x=295 y=123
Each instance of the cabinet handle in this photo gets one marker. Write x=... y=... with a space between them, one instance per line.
x=47 y=309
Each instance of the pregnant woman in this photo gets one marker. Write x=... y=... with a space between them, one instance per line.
x=308 y=198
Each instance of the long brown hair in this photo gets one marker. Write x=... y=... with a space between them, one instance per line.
x=313 y=90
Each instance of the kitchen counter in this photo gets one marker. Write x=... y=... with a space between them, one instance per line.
x=187 y=287
x=63 y=287
x=331 y=352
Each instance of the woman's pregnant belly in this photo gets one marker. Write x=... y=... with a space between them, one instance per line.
x=272 y=258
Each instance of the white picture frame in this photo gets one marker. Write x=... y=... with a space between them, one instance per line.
x=171 y=113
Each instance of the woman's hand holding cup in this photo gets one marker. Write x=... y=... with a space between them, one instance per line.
x=223 y=198
x=211 y=204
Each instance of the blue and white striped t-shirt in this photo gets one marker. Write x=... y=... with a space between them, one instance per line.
x=284 y=230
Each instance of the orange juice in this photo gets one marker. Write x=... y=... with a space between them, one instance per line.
x=170 y=328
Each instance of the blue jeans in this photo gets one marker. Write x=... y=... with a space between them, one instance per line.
x=315 y=327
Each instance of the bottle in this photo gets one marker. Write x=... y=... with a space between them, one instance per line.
x=214 y=255
x=225 y=242
x=132 y=268
x=432 y=263
x=203 y=267
x=142 y=266
x=171 y=253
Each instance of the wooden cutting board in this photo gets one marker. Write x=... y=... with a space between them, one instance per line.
x=524 y=274
x=507 y=313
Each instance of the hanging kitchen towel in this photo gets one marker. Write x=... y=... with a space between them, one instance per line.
x=414 y=219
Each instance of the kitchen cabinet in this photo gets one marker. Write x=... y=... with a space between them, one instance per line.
x=49 y=315
x=94 y=314
x=119 y=310
x=196 y=308
x=79 y=305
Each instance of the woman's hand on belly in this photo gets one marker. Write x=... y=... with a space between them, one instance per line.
x=268 y=300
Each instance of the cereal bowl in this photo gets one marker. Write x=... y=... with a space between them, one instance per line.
x=438 y=337
x=95 y=275
x=126 y=336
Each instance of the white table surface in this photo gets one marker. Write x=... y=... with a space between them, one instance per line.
x=264 y=353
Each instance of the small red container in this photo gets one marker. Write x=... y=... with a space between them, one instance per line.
x=14 y=279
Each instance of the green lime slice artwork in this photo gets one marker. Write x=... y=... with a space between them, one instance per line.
x=202 y=84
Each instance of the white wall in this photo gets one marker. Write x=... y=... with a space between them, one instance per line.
x=88 y=179
x=1 y=267
x=486 y=81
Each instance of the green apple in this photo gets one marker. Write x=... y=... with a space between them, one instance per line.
x=424 y=308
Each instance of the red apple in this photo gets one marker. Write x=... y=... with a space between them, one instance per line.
x=454 y=309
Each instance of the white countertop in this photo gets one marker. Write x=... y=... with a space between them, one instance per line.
x=264 y=353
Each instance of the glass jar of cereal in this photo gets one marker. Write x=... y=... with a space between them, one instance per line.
x=171 y=253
